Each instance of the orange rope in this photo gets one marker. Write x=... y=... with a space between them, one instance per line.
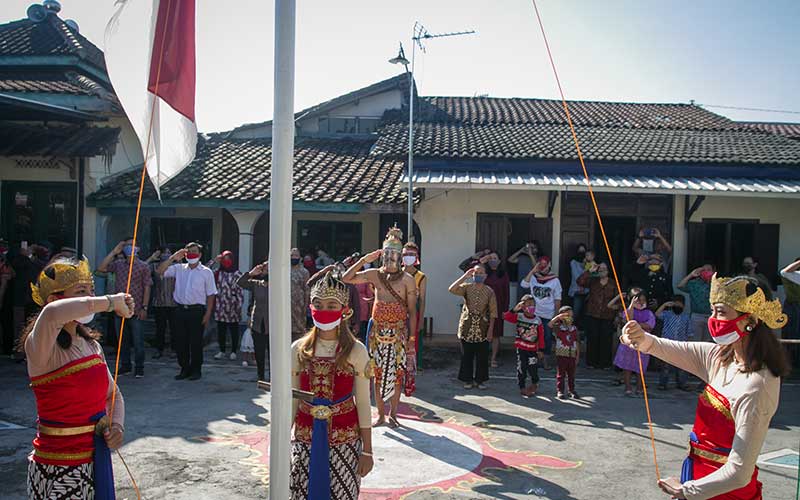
x=135 y=235
x=602 y=229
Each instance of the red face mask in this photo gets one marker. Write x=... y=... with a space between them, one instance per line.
x=706 y=275
x=226 y=263
x=326 y=320
x=192 y=256
x=726 y=331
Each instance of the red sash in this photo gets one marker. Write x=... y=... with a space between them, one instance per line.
x=66 y=400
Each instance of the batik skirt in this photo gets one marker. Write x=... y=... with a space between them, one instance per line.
x=387 y=334
x=60 y=482
x=345 y=481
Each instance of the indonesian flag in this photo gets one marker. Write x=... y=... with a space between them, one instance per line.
x=150 y=55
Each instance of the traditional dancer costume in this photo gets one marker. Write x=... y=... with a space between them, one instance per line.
x=73 y=390
x=388 y=328
x=327 y=432
x=734 y=410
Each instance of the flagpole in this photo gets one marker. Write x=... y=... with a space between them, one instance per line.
x=280 y=224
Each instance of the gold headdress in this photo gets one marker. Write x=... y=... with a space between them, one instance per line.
x=67 y=274
x=330 y=287
x=733 y=292
x=394 y=239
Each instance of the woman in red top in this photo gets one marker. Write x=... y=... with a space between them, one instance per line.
x=742 y=370
x=332 y=445
x=72 y=385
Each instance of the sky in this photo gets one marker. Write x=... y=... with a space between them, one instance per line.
x=715 y=52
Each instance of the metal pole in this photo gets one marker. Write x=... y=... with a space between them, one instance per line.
x=280 y=223
x=410 y=227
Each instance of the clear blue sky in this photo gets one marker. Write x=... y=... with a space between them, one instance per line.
x=730 y=52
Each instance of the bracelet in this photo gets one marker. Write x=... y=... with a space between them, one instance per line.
x=110 y=304
x=366 y=454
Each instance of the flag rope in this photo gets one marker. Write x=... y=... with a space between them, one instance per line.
x=136 y=232
x=602 y=229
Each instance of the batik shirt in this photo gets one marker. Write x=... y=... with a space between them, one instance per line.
x=566 y=341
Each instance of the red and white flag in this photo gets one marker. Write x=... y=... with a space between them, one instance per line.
x=150 y=55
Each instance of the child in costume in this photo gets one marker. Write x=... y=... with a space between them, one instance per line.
x=529 y=343
x=567 y=352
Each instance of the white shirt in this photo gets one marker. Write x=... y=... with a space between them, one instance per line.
x=545 y=295
x=192 y=286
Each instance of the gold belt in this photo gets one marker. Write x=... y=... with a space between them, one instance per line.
x=708 y=455
x=98 y=427
x=65 y=431
x=47 y=455
x=322 y=412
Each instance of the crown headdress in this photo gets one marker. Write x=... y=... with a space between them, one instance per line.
x=394 y=239
x=329 y=287
x=733 y=292
x=67 y=273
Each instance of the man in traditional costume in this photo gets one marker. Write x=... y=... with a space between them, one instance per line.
x=394 y=315
x=742 y=370
x=332 y=446
x=73 y=386
x=411 y=266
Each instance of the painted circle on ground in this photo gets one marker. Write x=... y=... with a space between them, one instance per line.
x=429 y=452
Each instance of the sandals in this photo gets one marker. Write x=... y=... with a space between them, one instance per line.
x=393 y=422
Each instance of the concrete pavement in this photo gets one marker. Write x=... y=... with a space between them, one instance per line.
x=208 y=439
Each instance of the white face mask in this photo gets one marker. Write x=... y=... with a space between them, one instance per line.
x=409 y=260
x=193 y=261
x=85 y=320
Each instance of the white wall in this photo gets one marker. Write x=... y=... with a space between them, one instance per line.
x=448 y=224
x=373 y=105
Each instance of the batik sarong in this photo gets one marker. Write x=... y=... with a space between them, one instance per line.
x=388 y=330
x=345 y=482
x=60 y=482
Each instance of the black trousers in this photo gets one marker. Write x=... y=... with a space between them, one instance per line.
x=474 y=362
x=598 y=342
x=527 y=365
x=261 y=346
x=165 y=318
x=222 y=332
x=189 y=339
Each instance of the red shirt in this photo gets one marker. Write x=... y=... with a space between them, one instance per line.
x=530 y=331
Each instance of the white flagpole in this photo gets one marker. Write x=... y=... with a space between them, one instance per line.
x=280 y=224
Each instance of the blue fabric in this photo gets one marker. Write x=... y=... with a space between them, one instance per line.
x=132 y=338
x=676 y=326
x=319 y=469
x=103 y=469
x=687 y=473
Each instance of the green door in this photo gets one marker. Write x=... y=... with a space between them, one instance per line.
x=39 y=212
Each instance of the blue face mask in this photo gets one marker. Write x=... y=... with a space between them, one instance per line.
x=479 y=278
x=127 y=250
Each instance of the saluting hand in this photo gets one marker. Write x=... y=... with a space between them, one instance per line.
x=373 y=256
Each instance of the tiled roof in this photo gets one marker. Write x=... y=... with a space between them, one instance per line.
x=790 y=130
x=536 y=129
x=325 y=170
x=514 y=111
x=554 y=142
x=63 y=141
x=48 y=38
x=49 y=81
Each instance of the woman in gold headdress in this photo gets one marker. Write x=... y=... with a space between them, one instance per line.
x=742 y=370
x=72 y=385
x=332 y=446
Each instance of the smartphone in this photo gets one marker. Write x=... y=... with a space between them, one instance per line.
x=23 y=245
x=647 y=246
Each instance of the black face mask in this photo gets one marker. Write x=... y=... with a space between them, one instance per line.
x=677 y=309
x=580 y=256
x=295 y=261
